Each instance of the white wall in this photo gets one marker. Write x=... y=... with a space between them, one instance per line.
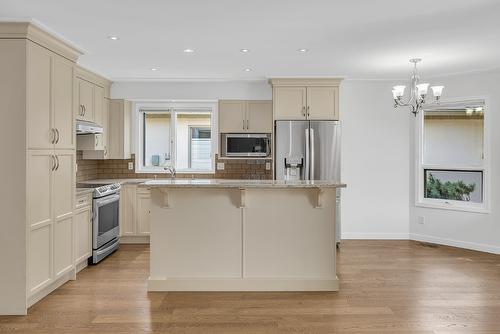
x=464 y=229
x=375 y=164
x=251 y=90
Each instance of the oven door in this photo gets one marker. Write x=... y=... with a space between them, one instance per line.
x=246 y=145
x=105 y=220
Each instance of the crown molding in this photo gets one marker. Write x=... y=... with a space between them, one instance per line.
x=31 y=31
x=305 y=81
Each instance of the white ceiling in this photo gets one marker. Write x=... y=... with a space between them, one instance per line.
x=352 y=38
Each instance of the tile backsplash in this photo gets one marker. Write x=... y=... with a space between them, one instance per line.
x=118 y=169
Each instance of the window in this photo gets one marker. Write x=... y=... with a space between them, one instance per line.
x=452 y=161
x=178 y=134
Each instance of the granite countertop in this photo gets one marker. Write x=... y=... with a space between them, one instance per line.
x=109 y=181
x=225 y=183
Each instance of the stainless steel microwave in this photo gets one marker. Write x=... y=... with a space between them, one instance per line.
x=246 y=145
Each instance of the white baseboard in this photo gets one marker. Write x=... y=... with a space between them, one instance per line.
x=376 y=236
x=456 y=243
x=134 y=239
x=246 y=284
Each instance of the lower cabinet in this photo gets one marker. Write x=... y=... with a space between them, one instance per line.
x=63 y=246
x=40 y=257
x=134 y=214
x=83 y=236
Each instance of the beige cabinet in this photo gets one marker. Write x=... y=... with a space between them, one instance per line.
x=289 y=103
x=83 y=230
x=98 y=104
x=143 y=200
x=232 y=116
x=50 y=186
x=85 y=100
x=95 y=146
x=322 y=103
x=259 y=116
x=90 y=142
x=119 y=125
x=134 y=213
x=306 y=99
x=245 y=116
x=49 y=100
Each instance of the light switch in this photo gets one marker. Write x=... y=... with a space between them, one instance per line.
x=268 y=166
x=220 y=166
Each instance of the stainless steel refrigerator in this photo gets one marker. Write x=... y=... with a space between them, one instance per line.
x=309 y=150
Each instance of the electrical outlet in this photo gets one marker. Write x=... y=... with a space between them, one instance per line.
x=220 y=166
x=130 y=166
x=268 y=166
x=421 y=220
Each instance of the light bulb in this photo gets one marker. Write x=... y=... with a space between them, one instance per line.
x=437 y=91
x=422 y=89
x=398 y=91
x=395 y=94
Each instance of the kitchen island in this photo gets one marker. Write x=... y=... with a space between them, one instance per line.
x=242 y=235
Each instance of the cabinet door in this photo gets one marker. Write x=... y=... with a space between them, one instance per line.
x=63 y=246
x=40 y=258
x=98 y=104
x=143 y=212
x=39 y=169
x=105 y=127
x=289 y=103
x=86 y=100
x=260 y=116
x=63 y=184
x=232 y=116
x=127 y=210
x=62 y=86
x=83 y=235
x=322 y=103
x=38 y=99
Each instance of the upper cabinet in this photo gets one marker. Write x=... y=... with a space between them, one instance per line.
x=85 y=100
x=119 y=129
x=245 y=116
x=306 y=99
x=49 y=99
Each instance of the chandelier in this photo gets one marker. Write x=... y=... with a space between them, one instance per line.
x=418 y=91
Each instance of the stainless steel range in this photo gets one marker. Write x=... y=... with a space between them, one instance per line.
x=105 y=220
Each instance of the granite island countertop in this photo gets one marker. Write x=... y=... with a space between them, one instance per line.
x=226 y=183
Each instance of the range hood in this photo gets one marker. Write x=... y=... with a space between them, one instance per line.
x=83 y=128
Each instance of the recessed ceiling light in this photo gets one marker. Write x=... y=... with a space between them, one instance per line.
x=244 y=50
x=303 y=50
x=188 y=50
x=154 y=69
x=113 y=38
x=248 y=69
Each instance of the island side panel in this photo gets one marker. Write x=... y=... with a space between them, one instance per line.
x=197 y=236
x=286 y=236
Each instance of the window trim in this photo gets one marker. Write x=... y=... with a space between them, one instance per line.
x=420 y=200
x=138 y=131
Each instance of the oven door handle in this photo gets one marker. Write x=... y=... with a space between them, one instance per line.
x=107 y=200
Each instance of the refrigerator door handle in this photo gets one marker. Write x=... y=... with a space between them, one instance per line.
x=306 y=172
x=311 y=154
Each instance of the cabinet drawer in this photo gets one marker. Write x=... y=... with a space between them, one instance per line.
x=83 y=200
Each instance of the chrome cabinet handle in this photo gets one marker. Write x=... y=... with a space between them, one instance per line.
x=52 y=157
x=84 y=110
x=80 y=110
x=105 y=151
x=96 y=141
x=52 y=136
x=57 y=133
x=57 y=159
x=248 y=122
x=243 y=124
x=308 y=108
x=304 y=111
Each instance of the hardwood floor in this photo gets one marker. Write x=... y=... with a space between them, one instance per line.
x=386 y=287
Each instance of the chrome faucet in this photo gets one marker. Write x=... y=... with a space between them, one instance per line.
x=171 y=170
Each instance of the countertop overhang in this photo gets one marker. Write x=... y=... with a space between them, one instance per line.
x=225 y=183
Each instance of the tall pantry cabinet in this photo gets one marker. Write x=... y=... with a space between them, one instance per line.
x=38 y=147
